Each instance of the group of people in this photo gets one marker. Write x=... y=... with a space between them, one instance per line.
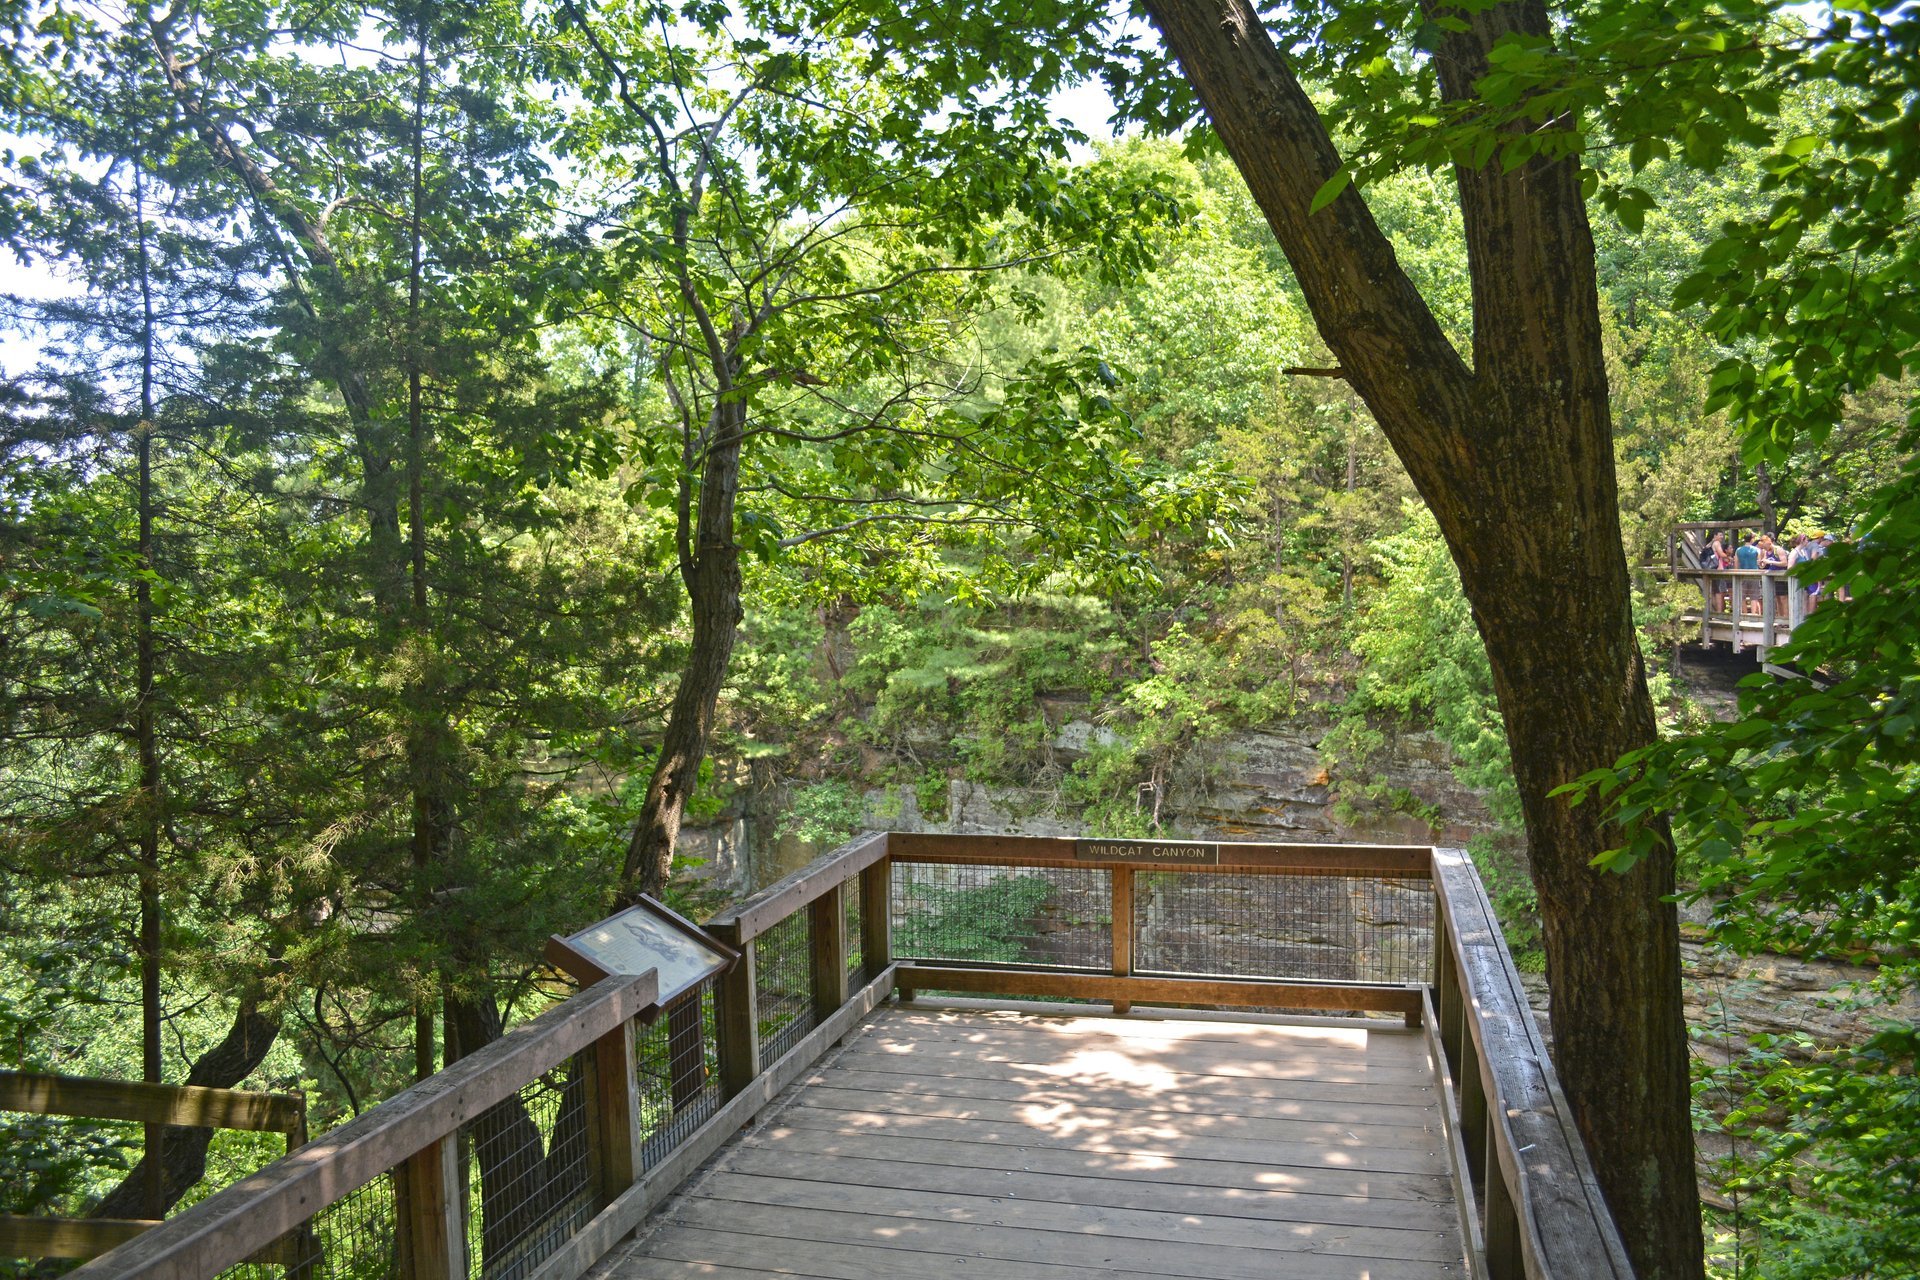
x=1762 y=552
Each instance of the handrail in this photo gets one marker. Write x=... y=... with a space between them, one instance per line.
x=1546 y=1218
x=248 y=1217
x=1544 y=1215
x=798 y=988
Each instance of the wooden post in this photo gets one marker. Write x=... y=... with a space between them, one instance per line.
x=1504 y=1258
x=432 y=1232
x=1739 y=609
x=1450 y=1009
x=1475 y=1133
x=827 y=946
x=737 y=1016
x=1706 y=611
x=686 y=1049
x=613 y=1113
x=1122 y=930
x=1768 y=611
x=876 y=916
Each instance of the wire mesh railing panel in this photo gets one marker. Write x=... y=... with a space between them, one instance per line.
x=857 y=975
x=529 y=1179
x=783 y=985
x=1308 y=927
x=677 y=1064
x=1050 y=917
x=353 y=1238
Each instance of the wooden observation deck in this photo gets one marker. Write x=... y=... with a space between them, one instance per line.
x=1741 y=608
x=879 y=1089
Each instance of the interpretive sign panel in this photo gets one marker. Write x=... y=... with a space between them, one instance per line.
x=1164 y=853
x=643 y=937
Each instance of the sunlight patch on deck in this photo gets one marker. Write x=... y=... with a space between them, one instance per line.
x=1045 y=1148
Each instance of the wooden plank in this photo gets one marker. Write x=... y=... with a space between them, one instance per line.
x=1420 y=1132
x=246 y=1217
x=1415 y=1157
x=757 y=1254
x=612 y=1224
x=1332 y=1037
x=1277 y=1081
x=24 y=1237
x=1379 y=1239
x=752 y=917
x=1069 y=1092
x=1396 y=1060
x=999 y=1245
x=1143 y=990
x=41 y=1093
x=827 y=950
x=634 y=1267
x=785 y=1159
x=1212 y=1176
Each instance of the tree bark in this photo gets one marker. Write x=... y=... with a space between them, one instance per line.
x=710 y=567
x=183 y=1160
x=1514 y=456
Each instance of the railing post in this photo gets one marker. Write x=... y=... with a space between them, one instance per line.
x=1769 y=611
x=432 y=1231
x=1122 y=878
x=1448 y=1008
x=827 y=945
x=686 y=1049
x=876 y=916
x=1476 y=1134
x=737 y=1016
x=1739 y=603
x=613 y=1112
x=1504 y=1258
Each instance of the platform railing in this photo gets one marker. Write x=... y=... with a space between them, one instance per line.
x=531 y=1158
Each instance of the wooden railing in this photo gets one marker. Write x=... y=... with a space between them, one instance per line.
x=1529 y=1203
x=157 y=1107
x=529 y=1158
x=652 y=1093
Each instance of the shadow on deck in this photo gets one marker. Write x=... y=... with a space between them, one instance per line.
x=938 y=1141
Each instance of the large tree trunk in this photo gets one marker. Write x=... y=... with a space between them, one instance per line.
x=183 y=1160
x=1514 y=455
x=710 y=567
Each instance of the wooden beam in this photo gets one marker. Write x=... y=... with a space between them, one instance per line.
x=22 y=1237
x=1400 y=861
x=188 y=1106
x=1244 y=994
x=749 y=919
x=1122 y=929
x=250 y=1215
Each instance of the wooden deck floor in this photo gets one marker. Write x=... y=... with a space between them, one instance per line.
x=1014 y=1147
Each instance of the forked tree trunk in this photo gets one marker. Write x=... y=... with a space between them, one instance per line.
x=183 y=1157
x=710 y=567
x=1514 y=455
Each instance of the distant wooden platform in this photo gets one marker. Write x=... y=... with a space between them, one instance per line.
x=1009 y=1146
